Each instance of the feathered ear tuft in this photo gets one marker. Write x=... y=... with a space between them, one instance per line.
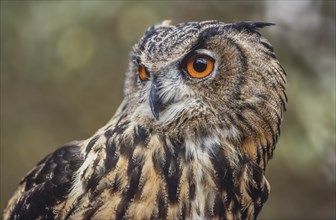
x=250 y=26
x=163 y=24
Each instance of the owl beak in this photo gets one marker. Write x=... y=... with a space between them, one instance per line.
x=155 y=102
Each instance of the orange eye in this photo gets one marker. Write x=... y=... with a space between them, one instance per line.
x=200 y=65
x=143 y=75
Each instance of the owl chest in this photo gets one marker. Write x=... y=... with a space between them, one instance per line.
x=198 y=191
x=189 y=185
x=209 y=184
x=160 y=182
x=178 y=187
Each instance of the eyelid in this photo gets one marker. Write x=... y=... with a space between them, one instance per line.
x=205 y=52
x=200 y=51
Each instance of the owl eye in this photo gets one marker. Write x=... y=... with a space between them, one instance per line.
x=200 y=65
x=143 y=75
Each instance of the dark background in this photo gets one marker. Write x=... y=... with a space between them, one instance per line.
x=62 y=72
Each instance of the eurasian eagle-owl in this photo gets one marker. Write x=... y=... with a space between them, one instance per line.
x=203 y=103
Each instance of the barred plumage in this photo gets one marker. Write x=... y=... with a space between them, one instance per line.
x=177 y=147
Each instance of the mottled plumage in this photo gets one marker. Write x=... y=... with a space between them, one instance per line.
x=178 y=146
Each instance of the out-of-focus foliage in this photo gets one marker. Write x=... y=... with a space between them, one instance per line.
x=62 y=71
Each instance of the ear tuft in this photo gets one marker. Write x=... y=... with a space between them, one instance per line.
x=251 y=26
x=164 y=23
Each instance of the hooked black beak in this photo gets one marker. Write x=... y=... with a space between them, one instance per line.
x=155 y=101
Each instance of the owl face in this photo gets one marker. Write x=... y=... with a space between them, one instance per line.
x=207 y=73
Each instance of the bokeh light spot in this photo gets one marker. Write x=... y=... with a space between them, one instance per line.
x=76 y=47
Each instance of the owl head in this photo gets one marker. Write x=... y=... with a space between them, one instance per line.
x=207 y=77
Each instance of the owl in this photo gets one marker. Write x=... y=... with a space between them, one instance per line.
x=201 y=114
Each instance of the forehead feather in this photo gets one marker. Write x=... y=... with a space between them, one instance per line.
x=163 y=43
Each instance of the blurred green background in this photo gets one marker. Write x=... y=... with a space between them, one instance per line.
x=62 y=72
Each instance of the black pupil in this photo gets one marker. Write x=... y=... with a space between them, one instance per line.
x=200 y=65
